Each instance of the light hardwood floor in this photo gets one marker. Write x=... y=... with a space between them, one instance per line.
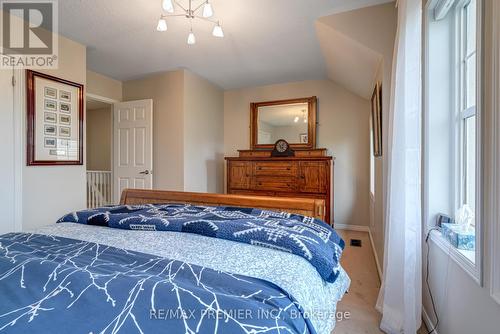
x=359 y=262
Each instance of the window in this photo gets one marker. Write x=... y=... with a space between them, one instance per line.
x=452 y=126
x=467 y=139
x=467 y=104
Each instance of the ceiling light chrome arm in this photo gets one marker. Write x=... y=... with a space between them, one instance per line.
x=207 y=19
x=163 y=16
x=200 y=5
x=182 y=7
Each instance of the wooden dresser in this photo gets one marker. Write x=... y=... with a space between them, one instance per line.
x=306 y=175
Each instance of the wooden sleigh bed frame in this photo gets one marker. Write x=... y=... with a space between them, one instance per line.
x=304 y=206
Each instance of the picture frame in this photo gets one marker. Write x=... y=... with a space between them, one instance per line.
x=64 y=131
x=65 y=107
x=64 y=96
x=54 y=133
x=50 y=92
x=50 y=105
x=376 y=119
x=65 y=119
x=50 y=142
x=303 y=138
x=50 y=130
x=50 y=117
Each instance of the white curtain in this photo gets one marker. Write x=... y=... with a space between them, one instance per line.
x=400 y=298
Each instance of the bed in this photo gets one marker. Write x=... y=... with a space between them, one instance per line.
x=161 y=263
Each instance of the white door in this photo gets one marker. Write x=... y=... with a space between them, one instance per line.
x=7 y=189
x=132 y=146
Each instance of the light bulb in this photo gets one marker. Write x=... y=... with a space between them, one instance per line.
x=296 y=119
x=191 y=38
x=207 y=10
x=168 y=6
x=217 y=32
x=162 y=25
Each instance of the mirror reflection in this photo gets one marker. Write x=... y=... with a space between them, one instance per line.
x=286 y=121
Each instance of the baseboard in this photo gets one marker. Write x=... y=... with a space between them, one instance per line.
x=427 y=321
x=347 y=227
x=377 y=263
x=361 y=228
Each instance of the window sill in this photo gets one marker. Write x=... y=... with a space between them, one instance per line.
x=464 y=259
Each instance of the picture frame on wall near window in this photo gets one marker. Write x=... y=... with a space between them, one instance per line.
x=376 y=119
x=55 y=124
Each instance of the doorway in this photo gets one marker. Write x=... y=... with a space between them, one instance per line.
x=119 y=140
x=99 y=140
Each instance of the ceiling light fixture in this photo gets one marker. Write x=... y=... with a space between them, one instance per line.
x=194 y=9
x=207 y=10
x=162 y=25
x=296 y=119
x=191 y=38
x=167 y=6
x=217 y=32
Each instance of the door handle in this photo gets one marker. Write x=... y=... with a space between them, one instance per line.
x=145 y=172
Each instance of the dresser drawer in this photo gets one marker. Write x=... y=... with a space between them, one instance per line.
x=239 y=175
x=303 y=176
x=275 y=183
x=278 y=168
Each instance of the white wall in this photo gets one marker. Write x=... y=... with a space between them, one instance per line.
x=342 y=129
x=463 y=306
x=52 y=191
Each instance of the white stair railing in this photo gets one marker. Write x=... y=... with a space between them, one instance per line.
x=98 y=188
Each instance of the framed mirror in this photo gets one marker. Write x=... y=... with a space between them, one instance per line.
x=293 y=120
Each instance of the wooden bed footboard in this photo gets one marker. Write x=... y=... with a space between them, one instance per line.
x=304 y=206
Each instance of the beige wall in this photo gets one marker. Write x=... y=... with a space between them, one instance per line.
x=203 y=135
x=49 y=191
x=103 y=86
x=167 y=92
x=99 y=139
x=378 y=33
x=377 y=202
x=343 y=122
x=187 y=131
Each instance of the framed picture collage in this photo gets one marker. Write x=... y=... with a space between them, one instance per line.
x=55 y=120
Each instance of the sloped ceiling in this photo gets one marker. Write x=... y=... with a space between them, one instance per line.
x=348 y=62
x=266 y=41
x=354 y=44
